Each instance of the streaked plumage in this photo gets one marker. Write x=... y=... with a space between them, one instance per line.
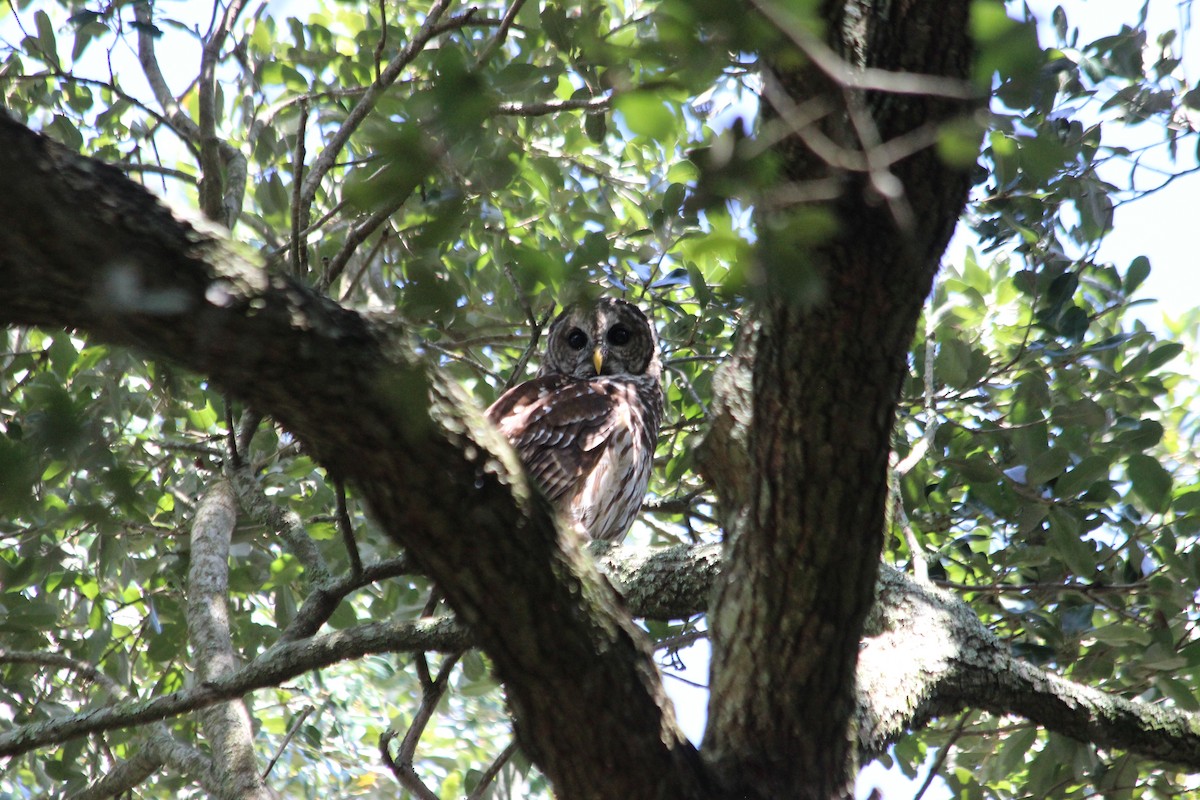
x=587 y=426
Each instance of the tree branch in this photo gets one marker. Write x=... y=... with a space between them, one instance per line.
x=227 y=726
x=101 y=255
x=926 y=654
x=325 y=161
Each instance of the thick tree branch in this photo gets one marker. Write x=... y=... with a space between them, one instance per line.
x=927 y=654
x=227 y=726
x=278 y=664
x=99 y=254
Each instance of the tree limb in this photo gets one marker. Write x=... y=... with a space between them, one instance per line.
x=102 y=255
x=227 y=726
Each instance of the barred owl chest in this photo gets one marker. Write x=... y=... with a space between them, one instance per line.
x=611 y=494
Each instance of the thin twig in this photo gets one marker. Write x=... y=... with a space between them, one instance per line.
x=432 y=690
x=938 y=762
x=325 y=161
x=299 y=242
x=523 y=361
x=591 y=105
x=382 y=43
x=497 y=41
x=347 y=529
x=489 y=774
x=295 y=726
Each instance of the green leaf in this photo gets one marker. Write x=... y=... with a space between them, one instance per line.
x=646 y=114
x=1048 y=465
x=1065 y=535
x=952 y=362
x=1150 y=481
x=47 y=45
x=1080 y=477
x=1139 y=270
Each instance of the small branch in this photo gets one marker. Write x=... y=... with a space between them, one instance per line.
x=432 y=691
x=323 y=600
x=382 y=43
x=124 y=777
x=285 y=523
x=295 y=726
x=536 y=327
x=325 y=161
x=280 y=663
x=681 y=641
x=356 y=236
x=231 y=443
x=299 y=243
x=156 y=169
x=212 y=154
x=347 y=530
x=177 y=117
x=489 y=775
x=943 y=753
x=247 y=427
x=59 y=661
x=497 y=41
x=201 y=138
x=591 y=105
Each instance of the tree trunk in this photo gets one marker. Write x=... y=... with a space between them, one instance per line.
x=833 y=329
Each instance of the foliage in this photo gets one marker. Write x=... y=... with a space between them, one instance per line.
x=591 y=147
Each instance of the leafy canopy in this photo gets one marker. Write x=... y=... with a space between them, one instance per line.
x=1044 y=444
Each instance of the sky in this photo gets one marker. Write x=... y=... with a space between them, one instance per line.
x=1157 y=226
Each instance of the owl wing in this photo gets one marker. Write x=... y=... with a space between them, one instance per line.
x=557 y=425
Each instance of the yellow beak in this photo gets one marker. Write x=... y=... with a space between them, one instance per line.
x=598 y=359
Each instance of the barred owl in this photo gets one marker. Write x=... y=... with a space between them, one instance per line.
x=587 y=425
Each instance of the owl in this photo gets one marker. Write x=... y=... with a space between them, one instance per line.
x=587 y=425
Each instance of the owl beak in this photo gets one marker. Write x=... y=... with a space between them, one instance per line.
x=598 y=359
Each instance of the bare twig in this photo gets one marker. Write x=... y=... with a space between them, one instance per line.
x=299 y=243
x=295 y=726
x=286 y=523
x=432 y=690
x=324 y=599
x=347 y=530
x=214 y=153
x=356 y=236
x=325 y=161
x=382 y=43
x=59 y=661
x=536 y=328
x=489 y=775
x=497 y=41
x=590 y=105
x=938 y=762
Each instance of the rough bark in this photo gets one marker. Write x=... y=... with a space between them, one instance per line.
x=227 y=726
x=95 y=252
x=803 y=550
x=927 y=654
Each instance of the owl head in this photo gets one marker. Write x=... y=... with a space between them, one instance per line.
x=602 y=337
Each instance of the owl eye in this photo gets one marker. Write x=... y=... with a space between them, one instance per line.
x=618 y=335
x=577 y=339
